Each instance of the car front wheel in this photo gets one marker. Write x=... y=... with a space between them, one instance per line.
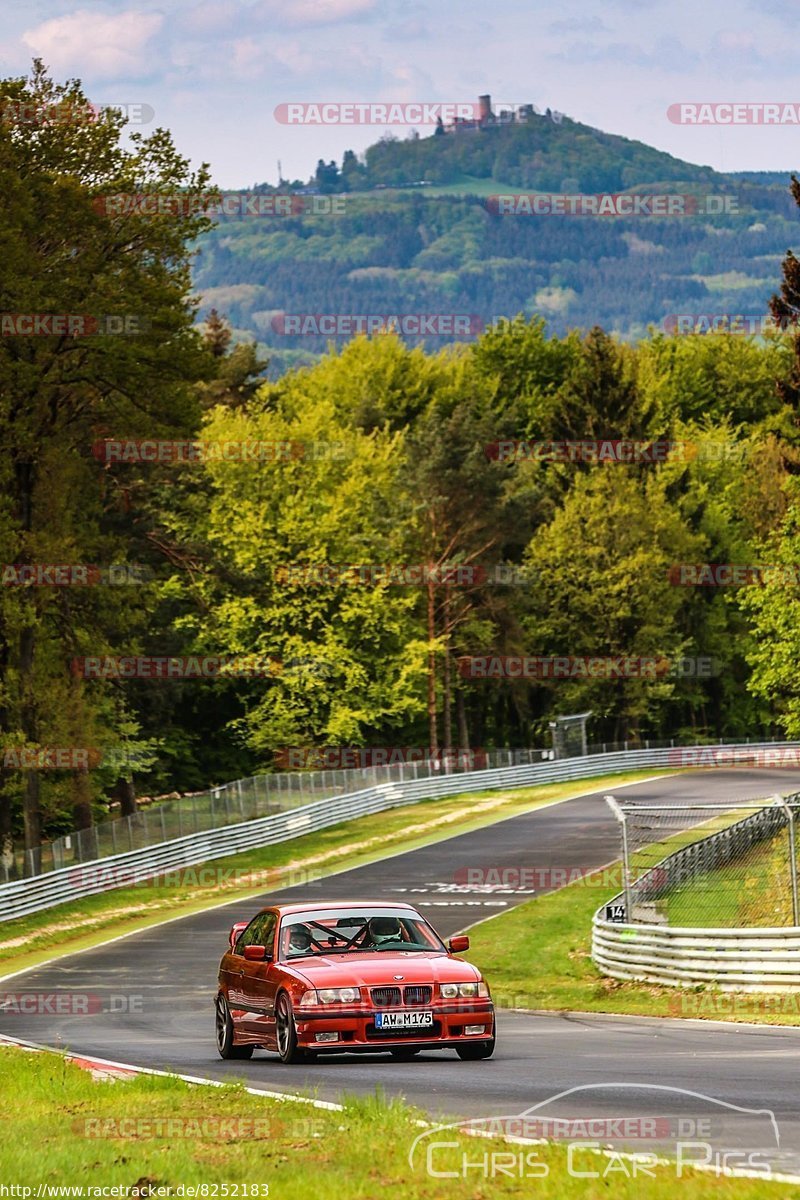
x=472 y=1051
x=286 y=1031
x=224 y=1030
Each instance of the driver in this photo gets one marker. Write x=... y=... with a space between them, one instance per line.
x=300 y=939
x=383 y=929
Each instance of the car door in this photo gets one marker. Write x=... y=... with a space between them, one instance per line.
x=258 y=978
x=233 y=970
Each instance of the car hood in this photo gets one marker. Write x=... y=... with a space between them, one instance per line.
x=369 y=970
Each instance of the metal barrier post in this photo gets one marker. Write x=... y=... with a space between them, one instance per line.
x=787 y=808
x=626 y=875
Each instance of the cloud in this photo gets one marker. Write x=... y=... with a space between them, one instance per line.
x=206 y=17
x=247 y=58
x=736 y=39
x=668 y=54
x=412 y=30
x=95 y=44
x=312 y=12
x=295 y=57
x=579 y=25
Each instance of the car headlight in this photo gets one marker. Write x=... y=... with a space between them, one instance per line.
x=349 y=995
x=465 y=991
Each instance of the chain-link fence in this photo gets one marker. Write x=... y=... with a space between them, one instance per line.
x=233 y=803
x=709 y=865
x=569 y=735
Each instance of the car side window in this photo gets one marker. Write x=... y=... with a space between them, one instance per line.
x=260 y=932
x=267 y=932
x=249 y=937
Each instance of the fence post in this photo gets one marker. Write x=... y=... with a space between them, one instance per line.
x=626 y=875
x=787 y=808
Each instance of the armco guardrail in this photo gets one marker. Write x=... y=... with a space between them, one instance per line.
x=239 y=801
x=741 y=960
x=25 y=896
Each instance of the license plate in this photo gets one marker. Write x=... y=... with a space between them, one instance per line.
x=404 y=1020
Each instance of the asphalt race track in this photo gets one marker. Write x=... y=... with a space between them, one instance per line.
x=158 y=986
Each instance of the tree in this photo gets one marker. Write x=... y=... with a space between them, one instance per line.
x=785 y=308
x=239 y=370
x=353 y=172
x=327 y=176
x=66 y=252
x=352 y=657
x=774 y=612
x=600 y=588
x=448 y=469
x=217 y=335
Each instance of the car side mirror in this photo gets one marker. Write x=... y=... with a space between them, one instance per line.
x=457 y=945
x=236 y=931
x=257 y=954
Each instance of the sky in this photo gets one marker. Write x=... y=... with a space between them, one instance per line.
x=214 y=72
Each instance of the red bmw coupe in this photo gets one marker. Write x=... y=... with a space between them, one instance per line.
x=341 y=978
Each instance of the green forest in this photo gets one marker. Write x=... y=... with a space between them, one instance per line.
x=280 y=545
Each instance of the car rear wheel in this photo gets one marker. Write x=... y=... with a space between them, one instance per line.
x=224 y=1030
x=472 y=1051
x=286 y=1031
x=403 y=1054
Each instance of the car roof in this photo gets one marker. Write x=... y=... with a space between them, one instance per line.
x=315 y=905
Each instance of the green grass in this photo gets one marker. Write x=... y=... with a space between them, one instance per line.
x=27 y=941
x=727 y=897
x=59 y=1127
x=754 y=890
x=465 y=185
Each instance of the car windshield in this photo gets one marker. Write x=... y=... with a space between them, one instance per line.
x=343 y=931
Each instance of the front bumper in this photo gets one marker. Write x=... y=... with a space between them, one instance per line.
x=356 y=1030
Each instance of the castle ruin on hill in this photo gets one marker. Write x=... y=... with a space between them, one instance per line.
x=506 y=114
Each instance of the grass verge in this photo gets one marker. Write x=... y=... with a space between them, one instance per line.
x=538 y=956
x=61 y=1128
x=28 y=941
x=753 y=890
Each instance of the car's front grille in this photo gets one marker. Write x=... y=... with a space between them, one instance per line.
x=418 y=995
x=386 y=997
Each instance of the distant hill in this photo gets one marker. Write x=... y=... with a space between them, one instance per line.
x=537 y=154
x=417 y=232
